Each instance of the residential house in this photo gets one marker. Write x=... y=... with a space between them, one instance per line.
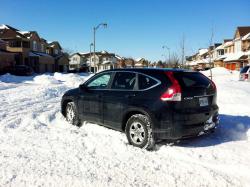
x=106 y=60
x=141 y=62
x=78 y=62
x=7 y=59
x=30 y=49
x=218 y=56
x=99 y=61
x=126 y=63
x=61 y=59
x=238 y=50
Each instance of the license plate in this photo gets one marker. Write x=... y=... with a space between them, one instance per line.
x=203 y=101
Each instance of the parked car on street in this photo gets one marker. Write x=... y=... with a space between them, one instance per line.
x=147 y=104
x=22 y=70
x=245 y=73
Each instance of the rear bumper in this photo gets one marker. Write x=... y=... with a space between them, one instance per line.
x=183 y=129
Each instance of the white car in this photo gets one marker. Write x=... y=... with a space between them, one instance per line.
x=245 y=73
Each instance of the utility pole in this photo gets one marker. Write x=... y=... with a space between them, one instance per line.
x=95 y=29
x=182 y=51
x=210 y=53
x=166 y=47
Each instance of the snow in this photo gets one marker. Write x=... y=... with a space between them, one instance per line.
x=39 y=148
x=233 y=56
x=202 y=51
x=2 y=26
x=246 y=37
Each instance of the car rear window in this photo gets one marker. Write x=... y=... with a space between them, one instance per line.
x=145 y=82
x=245 y=69
x=124 y=81
x=192 y=79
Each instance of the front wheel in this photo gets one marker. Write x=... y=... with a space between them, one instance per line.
x=139 y=131
x=71 y=114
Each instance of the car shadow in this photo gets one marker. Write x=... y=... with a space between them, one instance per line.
x=230 y=129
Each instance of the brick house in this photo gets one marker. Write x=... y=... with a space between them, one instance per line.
x=7 y=59
x=31 y=49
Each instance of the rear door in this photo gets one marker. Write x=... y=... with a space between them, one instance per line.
x=118 y=98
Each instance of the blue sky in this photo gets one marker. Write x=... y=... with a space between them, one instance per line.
x=136 y=28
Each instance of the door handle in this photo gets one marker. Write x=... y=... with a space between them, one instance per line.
x=98 y=96
x=129 y=96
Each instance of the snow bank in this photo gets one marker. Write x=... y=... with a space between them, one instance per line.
x=8 y=78
x=72 y=80
x=39 y=148
x=46 y=80
x=219 y=71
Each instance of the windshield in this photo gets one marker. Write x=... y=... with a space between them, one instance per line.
x=244 y=70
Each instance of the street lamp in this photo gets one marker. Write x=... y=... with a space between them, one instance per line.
x=90 y=55
x=95 y=29
x=166 y=47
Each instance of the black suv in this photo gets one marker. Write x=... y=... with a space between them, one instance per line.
x=147 y=104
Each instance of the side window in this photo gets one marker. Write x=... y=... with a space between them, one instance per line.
x=124 y=81
x=101 y=82
x=145 y=82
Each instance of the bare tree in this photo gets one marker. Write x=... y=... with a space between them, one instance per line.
x=174 y=62
x=68 y=51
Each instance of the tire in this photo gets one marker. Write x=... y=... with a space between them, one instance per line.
x=71 y=114
x=139 y=132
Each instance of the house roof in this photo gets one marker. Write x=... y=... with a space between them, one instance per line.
x=243 y=30
x=229 y=43
x=52 y=44
x=246 y=37
x=202 y=51
x=79 y=54
x=3 y=26
x=233 y=56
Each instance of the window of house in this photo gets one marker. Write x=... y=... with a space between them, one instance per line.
x=56 y=51
x=42 y=47
x=124 y=80
x=34 y=45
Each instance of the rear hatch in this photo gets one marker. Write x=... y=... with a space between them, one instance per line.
x=198 y=97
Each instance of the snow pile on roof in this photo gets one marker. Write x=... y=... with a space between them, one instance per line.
x=23 y=32
x=246 y=37
x=2 y=26
x=118 y=57
x=233 y=56
x=202 y=51
x=220 y=47
x=229 y=43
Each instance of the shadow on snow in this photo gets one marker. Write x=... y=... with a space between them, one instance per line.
x=230 y=129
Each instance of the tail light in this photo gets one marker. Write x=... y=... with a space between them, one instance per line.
x=246 y=76
x=173 y=93
x=213 y=85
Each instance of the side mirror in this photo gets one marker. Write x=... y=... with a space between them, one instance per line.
x=83 y=87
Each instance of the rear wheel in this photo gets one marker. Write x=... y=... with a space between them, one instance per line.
x=139 y=131
x=71 y=114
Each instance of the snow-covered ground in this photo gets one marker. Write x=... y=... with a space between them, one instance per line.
x=39 y=148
